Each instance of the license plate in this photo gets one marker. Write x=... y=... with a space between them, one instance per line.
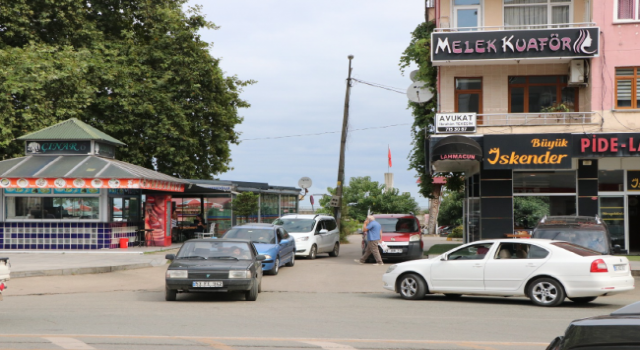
x=619 y=267
x=394 y=251
x=207 y=284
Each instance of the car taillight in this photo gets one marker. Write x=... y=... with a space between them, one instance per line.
x=599 y=266
x=1 y=287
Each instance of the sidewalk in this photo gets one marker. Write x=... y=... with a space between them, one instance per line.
x=33 y=263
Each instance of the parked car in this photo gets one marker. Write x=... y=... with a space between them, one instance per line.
x=314 y=234
x=618 y=330
x=5 y=272
x=543 y=270
x=586 y=231
x=272 y=241
x=401 y=233
x=220 y=265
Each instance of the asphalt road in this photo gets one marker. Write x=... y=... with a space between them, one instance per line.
x=327 y=303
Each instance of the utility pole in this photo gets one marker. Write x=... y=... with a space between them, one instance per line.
x=343 y=141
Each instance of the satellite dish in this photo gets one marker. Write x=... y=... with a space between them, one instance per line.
x=412 y=75
x=419 y=93
x=305 y=182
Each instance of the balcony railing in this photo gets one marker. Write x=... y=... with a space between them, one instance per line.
x=523 y=119
x=444 y=28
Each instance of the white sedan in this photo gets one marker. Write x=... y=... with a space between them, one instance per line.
x=545 y=271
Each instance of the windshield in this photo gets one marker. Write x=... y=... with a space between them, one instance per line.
x=255 y=235
x=295 y=225
x=398 y=225
x=215 y=250
x=595 y=240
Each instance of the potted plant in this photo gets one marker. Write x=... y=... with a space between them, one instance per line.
x=559 y=108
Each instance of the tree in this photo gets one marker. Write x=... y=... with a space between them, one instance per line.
x=450 y=213
x=419 y=53
x=362 y=194
x=527 y=211
x=245 y=204
x=134 y=69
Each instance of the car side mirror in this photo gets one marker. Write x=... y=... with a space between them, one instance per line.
x=323 y=231
x=555 y=344
x=170 y=256
x=284 y=241
x=443 y=258
x=261 y=257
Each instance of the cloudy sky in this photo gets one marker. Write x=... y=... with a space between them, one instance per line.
x=297 y=51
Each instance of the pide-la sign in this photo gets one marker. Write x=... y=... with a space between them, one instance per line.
x=515 y=44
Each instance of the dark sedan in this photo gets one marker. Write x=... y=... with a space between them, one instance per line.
x=619 y=330
x=215 y=265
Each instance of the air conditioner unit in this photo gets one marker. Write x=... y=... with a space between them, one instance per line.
x=577 y=72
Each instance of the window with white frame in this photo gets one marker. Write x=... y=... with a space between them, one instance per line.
x=627 y=10
x=524 y=13
x=467 y=14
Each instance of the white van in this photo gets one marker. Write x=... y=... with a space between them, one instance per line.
x=314 y=234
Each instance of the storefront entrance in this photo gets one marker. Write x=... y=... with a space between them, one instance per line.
x=634 y=223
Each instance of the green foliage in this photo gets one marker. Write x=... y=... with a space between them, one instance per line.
x=134 y=69
x=419 y=53
x=527 y=211
x=555 y=108
x=348 y=227
x=362 y=194
x=451 y=209
x=245 y=204
x=456 y=232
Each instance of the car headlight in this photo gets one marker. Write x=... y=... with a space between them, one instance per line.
x=267 y=256
x=391 y=268
x=414 y=238
x=239 y=274
x=177 y=273
x=302 y=239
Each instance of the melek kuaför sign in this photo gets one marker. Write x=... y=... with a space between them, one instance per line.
x=515 y=44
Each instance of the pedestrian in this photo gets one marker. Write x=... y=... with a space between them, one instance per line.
x=174 y=226
x=373 y=231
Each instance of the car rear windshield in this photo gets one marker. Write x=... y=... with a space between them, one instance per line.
x=576 y=249
x=255 y=235
x=398 y=225
x=295 y=225
x=595 y=240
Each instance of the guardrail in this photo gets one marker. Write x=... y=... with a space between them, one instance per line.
x=557 y=118
x=443 y=27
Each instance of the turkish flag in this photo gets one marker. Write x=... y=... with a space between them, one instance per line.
x=389 y=157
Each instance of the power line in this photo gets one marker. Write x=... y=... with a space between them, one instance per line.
x=324 y=133
x=390 y=88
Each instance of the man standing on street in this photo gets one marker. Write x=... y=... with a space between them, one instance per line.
x=373 y=230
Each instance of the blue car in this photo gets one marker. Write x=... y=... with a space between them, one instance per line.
x=272 y=241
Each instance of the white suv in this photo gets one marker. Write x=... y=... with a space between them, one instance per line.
x=314 y=234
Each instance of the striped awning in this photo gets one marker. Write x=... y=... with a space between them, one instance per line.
x=82 y=171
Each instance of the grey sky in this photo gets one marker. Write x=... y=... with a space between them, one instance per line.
x=297 y=51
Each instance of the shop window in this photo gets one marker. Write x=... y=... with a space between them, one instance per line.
x=269 y=209
x=627 y=92
x=218 y=212
x=525 y=13
x=469 y=96
x=187 y=209
x=610 y=180
x=541 y=94
x=125 y=209
x=467 y=14
x=528 y=210
x=544 y=182
x=51 y=208
x=612 y=212
x=289 y=204
x=627 y=10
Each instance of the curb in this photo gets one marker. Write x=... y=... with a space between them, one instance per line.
x=81 y=270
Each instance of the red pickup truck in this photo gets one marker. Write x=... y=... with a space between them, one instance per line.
x=402 y=236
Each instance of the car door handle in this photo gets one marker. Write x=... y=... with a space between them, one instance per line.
x=478 y=265
x=531 y=265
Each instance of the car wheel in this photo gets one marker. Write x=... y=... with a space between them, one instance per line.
x=546 y=292
x=170 y=294
x=292 y=261
x=336 y=250
x=412 y=287
x=583 y=300
x=452 y=296
x=276 y=267
x=252 y=294
x=313 y=252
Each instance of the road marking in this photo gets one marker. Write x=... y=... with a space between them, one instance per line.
x=329 y=346
x=214 y=344
x=69 y=343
